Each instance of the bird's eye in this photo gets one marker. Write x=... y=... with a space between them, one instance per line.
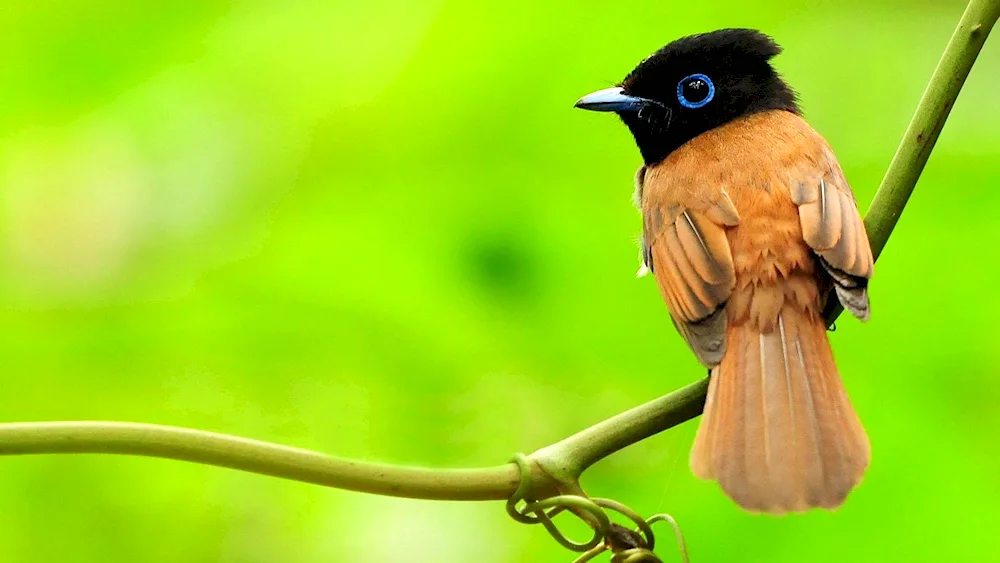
x=695 y=91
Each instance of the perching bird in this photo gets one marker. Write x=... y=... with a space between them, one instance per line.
x=749 y=228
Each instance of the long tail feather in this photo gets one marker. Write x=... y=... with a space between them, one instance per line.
x=779 y=433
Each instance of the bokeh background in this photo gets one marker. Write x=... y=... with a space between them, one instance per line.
x=379 y=230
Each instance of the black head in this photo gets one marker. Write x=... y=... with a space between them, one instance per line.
x=694 y=84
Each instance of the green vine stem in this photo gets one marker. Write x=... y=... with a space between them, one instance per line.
x=275 y=460
x=556 y=468
x=568 y=459
x=928 y=121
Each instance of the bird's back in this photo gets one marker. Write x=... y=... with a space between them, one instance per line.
x=779 y=433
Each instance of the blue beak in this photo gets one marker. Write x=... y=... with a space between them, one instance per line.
x=611 y=99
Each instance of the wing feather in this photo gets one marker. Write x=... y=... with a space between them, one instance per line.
x=693 y=266
x=833 y=228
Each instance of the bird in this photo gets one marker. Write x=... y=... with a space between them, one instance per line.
x=750 y=230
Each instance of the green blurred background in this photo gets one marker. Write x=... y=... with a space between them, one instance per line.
x=380 y=230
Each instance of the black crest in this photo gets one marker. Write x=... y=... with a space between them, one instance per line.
x=700 y=82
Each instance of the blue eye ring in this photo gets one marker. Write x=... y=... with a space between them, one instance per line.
x=695 y=105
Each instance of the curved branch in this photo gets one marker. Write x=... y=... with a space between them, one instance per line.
x=491 y=483
x=275 y=460
x=928 y=121
x=569 y=458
